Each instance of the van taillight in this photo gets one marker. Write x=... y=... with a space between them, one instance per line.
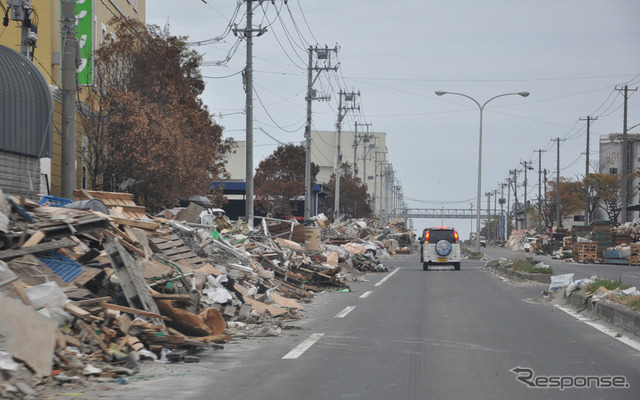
x=455 y=235
x=426 y=236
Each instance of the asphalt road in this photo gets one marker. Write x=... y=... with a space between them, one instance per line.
x=629 y=274
x=410 y=334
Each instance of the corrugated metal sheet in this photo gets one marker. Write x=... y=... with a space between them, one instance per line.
x=26 y=108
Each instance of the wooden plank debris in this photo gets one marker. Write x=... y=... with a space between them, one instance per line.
x=34 y=239
x=38 y=248
x=113 y=200
x=174 y=248
x=135 y=311
x=130 y=278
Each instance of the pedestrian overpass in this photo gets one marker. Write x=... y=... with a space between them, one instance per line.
x=453 y=213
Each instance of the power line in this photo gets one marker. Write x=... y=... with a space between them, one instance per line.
x=226 y=32
x=305 y=20
x=271 y=136
x=269 y=115
x=222 y=77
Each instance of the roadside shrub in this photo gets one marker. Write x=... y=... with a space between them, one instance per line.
x=608 y=284
x=633 y=302
x=469 y=252
x=524 y=265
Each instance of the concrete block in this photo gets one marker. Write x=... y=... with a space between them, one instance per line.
x=30 y=336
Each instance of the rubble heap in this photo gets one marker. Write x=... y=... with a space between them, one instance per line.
x=89 y=288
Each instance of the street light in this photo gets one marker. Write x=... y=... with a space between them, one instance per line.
x=481 y=107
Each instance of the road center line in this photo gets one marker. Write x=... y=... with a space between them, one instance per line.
x=602 y=328
x=344 y=312
x=386 y=277
x=302 y=347
x=365 y=294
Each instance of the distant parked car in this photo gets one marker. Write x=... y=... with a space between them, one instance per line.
x=483 y=241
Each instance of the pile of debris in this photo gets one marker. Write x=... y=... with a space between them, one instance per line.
x=384 y=241
x=91 y=287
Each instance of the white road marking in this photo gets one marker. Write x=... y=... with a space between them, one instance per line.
x=344 y=312
x=631 y=276
x=602 y=328
x=365 y=294
x=386 y=278
x=302 y=347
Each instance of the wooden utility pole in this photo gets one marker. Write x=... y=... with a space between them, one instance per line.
x=625 y=156
x=527 y=166
x=540 y=151
x=247 y=33
x=69 y=140
x=321 y=54
x=558 y=221
x=342 y=112
x=586 y=171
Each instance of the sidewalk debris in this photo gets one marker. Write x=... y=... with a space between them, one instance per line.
x=89 y=289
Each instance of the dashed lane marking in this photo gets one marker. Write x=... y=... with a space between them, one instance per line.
x=602 y=328
x=302 y=347
x=344 y=312
x=386 y=278
x=365 y=294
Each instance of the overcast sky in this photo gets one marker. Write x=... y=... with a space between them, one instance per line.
x=570 y=54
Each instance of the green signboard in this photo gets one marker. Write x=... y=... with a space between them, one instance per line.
x=84 y=34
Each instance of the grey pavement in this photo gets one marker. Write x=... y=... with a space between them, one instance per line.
x=629 y=274
x=409 y=334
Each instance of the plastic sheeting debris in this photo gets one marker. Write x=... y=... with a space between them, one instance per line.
x=560 y=281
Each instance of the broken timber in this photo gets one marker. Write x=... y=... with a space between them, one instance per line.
x=57 y=244
x=133 y=285
x=174 y=248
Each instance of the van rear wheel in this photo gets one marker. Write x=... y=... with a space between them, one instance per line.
x=425 y=266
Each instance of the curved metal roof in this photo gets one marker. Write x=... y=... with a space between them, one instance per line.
x=26 y=108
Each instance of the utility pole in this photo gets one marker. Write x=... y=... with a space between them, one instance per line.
x=355 y=150
x=377 y=201
x=502 y=217
x=375 y=180
x=356 y=142
x=527 y=166
x=471 y=208
x=68 y=67
x=625 y=156
x=20 y=11
x=342 y=112
x=495 y=213
x=508 y=202
x=545 y=182
x=248 y=32
x=368 y=145
x=488 y=194
x=586 y=170
x=540 y=151
x=515 y=196
x=558 y=221
x=321 y=54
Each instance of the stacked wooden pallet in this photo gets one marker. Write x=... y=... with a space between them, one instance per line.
x=587 y=252
x=634 y=258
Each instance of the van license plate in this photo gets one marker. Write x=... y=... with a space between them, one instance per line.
x=442 y=260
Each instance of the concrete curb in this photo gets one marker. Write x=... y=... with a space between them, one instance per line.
x=612 y=313
x=505 y=268
x=542 y=278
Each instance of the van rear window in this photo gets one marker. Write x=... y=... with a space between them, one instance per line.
x=435 y=236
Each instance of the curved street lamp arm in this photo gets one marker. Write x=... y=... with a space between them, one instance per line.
x=523 y=94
